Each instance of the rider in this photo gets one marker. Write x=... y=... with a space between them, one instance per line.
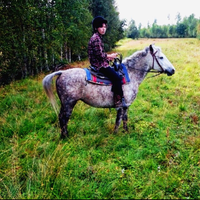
x=100 y=59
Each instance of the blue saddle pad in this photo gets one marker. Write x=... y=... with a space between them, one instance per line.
x=102 y=81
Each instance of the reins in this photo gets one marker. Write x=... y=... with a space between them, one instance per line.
x=151 y=70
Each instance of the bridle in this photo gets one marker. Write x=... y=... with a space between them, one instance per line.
x=152 y=70
x=155 y=58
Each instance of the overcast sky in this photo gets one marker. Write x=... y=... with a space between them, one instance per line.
x=164 y=11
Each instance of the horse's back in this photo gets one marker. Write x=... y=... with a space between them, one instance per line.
x=70 y=83
x=72 y=86
x=71 y=76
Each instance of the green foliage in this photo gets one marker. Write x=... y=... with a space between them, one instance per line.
x=38 y=35
x=181 y=30
x=198 y=29
x=132 y=31
x=157 y=159
x=186 y=28
x=115 y=30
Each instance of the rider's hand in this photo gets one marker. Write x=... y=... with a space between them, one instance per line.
x=112 y=56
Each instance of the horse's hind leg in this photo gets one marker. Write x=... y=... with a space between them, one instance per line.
x=118 y=119
x=125 y=119
x=64 y=115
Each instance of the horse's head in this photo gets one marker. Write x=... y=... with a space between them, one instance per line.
x=160 y=62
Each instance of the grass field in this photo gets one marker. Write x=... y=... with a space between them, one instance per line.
x=158 y=159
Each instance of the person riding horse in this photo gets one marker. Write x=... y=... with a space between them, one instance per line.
x=71 y=86
x=100 y=60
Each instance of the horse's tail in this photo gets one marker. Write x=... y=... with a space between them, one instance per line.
x=46 y=82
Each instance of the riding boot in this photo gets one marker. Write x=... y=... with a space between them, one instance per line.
x=119 y=101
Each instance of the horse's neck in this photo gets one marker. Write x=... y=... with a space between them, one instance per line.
x=137 y=73
x=138 y=65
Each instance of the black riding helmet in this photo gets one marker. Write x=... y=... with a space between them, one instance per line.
x=98 y=22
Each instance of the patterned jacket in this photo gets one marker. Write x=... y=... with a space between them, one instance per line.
x=96 y=53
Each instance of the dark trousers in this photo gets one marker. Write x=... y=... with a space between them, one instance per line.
x=115 y=79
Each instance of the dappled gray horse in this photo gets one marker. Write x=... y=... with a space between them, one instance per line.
x=71 y=85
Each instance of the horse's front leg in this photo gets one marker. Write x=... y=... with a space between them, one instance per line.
x=64 y=115
x=118 y=119
x=125 y=119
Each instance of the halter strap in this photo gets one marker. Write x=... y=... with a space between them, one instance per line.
x=152 y=70
x=155 y=58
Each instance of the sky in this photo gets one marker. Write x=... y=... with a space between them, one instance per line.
x=164 y=11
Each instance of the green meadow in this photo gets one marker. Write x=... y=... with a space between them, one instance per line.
x=159 y=158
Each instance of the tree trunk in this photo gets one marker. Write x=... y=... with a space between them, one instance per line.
x=70 y=55
x=61 y=53
x=45 y=52
x=65 y=51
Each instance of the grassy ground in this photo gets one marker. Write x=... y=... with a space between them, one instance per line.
x=159 y=158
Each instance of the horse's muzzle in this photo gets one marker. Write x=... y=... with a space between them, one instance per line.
x=170 y=72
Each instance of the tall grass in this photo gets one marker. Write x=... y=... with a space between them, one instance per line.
x=158 y=158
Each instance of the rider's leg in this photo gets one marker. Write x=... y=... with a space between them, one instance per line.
x=117 y=86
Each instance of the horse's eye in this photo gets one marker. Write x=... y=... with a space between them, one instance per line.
x=161 y=57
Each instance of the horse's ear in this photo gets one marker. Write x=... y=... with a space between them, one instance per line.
x=151 y=49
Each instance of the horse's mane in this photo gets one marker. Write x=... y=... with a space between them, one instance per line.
x=133 y=59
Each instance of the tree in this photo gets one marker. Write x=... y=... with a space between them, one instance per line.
x=191 y=24
x=132 y=31
x=198 y=29
x=172 y=31
x=75 y=29
x=37 y=34
x=178 y=18
x=145 y=33
x=108 y=10
x=181 y=30
x=188 y=27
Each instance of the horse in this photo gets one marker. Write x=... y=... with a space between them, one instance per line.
x=71 y=86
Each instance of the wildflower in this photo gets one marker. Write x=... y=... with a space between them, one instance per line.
x=158 y=168
x=177 y=154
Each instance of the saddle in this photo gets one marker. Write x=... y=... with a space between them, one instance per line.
x=96 y=77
